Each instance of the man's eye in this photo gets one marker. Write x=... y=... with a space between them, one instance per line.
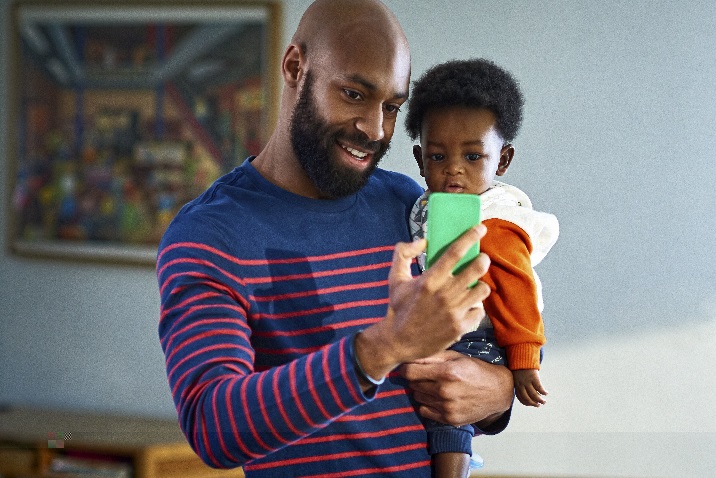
x=393 y=109
x=354 y=95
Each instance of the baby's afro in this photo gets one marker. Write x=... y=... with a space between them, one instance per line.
x=475 y=83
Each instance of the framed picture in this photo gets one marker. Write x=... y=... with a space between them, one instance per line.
x=121 y=112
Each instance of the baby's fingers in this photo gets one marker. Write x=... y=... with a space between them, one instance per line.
x=536 y=397
x=524 y=397
x=528 y=396
x=540 y=389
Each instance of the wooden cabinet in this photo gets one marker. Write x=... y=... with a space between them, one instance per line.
x=31 y=439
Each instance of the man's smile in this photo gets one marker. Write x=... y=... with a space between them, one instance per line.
x=358 y=154
x=355 y=156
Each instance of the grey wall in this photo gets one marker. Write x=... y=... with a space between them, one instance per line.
x=71 y=334
x=618 y=142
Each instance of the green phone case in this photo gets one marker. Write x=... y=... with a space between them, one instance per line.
x=450 y=215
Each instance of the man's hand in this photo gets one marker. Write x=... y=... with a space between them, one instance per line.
x=458 y=390
x=427 y=313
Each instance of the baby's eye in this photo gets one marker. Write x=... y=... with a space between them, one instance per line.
x=473 y=156
x=436 y=157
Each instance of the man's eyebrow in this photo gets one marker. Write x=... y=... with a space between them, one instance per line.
x=368 y=85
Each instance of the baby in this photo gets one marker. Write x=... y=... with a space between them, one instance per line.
x=465 y=115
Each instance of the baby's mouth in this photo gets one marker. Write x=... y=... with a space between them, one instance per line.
x=453 y=188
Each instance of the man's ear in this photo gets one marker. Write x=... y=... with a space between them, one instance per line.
x=418 y=155
x=292 y=65
x=506 y=155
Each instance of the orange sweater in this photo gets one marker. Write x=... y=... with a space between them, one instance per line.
x=512 y=305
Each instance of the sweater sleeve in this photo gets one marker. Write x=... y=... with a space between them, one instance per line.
x=229 y=412
x=512 y=305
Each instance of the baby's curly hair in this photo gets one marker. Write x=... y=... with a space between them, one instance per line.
x=475 y=83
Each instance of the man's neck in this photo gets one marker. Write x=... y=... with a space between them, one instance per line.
x=278 y=165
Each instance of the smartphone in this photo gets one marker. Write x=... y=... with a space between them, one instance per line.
x=450 y=215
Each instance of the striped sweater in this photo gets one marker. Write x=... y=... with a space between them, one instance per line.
x=261 y=291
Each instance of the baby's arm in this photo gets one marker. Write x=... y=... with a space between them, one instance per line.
x=513 y=304
x=528 y=387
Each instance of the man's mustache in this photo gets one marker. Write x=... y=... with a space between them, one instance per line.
x=361 y=140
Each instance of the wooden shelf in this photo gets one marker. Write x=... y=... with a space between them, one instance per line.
x=155 y=448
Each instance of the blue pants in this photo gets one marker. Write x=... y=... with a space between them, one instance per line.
x=443 y=438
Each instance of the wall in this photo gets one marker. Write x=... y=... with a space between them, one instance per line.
x=73 y=334
x=618 y=142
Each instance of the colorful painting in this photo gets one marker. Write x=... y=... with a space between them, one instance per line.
x=124 y=113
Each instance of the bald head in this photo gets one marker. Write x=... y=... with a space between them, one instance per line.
x=346 y=73
x=327 y=23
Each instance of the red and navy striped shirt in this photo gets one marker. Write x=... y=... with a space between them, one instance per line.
x=261 y=291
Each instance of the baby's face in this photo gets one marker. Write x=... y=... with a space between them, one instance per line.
x=460 y=150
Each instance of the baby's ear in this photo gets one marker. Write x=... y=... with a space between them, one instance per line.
x=418 y=155
x=506 y=155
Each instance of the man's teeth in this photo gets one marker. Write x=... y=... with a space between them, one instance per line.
x=355 y=152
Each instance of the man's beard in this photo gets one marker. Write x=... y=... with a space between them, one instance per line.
x=312 y=143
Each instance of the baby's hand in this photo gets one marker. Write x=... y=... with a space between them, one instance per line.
x=528 y=388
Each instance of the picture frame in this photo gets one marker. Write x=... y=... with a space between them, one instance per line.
x=121 y=112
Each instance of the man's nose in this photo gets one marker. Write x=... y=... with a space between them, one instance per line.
x=371 y=123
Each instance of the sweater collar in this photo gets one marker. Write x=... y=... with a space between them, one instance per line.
x=318 y=205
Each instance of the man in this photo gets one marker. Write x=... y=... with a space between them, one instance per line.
x=287 y=308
